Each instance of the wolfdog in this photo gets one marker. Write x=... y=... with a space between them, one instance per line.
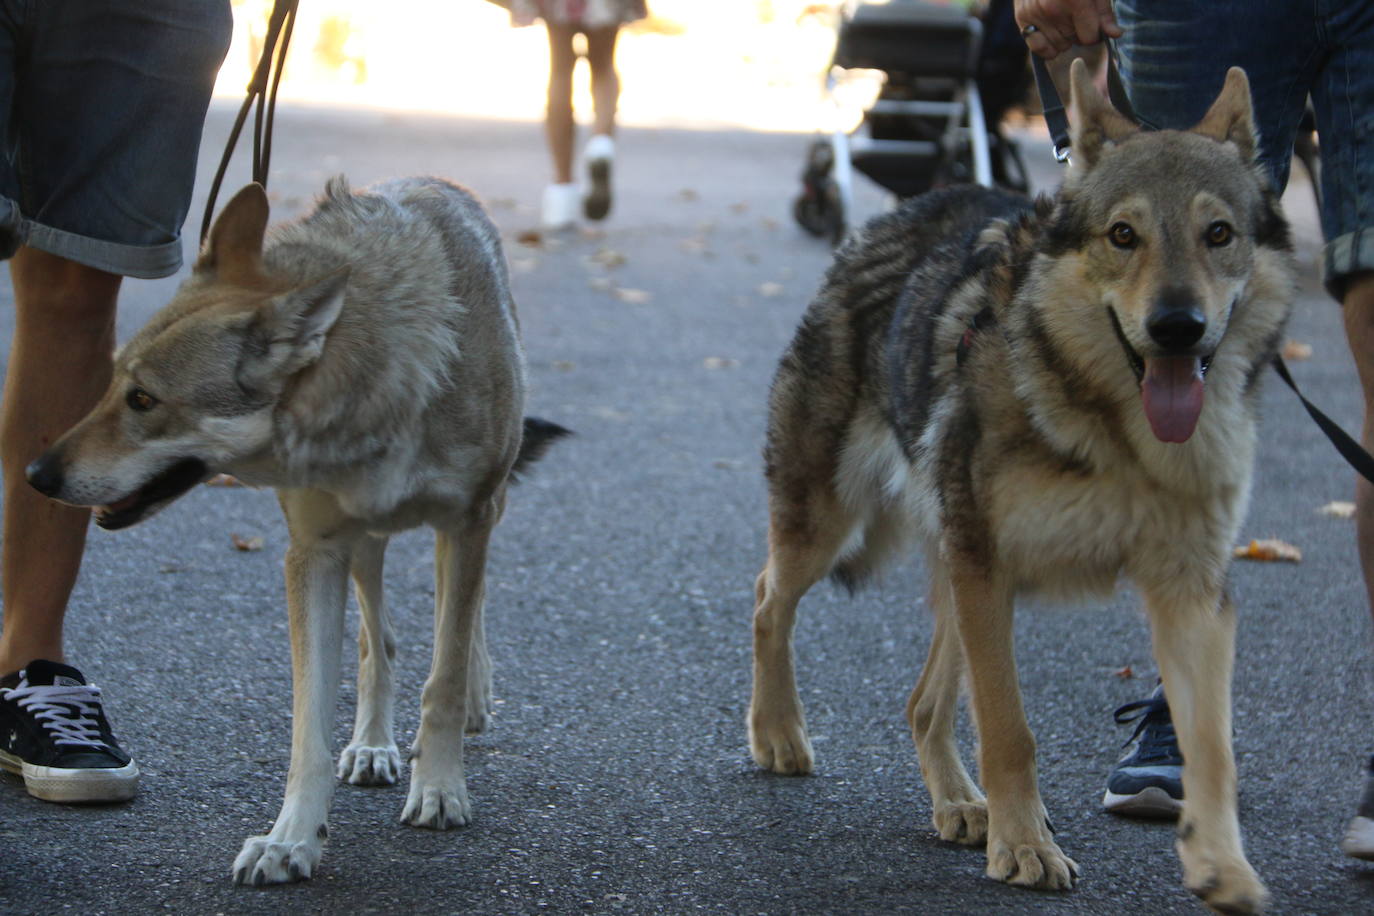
x=366 y=362
x=1047 y=396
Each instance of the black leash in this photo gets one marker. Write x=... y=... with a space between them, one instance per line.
x=262 y=89
x=1058 y=123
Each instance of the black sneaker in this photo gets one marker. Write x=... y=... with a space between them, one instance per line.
x=1147 y=782
x=54 y=733
x=1359 y=836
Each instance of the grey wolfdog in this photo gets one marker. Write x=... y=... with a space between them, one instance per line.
x=1046 y=396
x=366 y=362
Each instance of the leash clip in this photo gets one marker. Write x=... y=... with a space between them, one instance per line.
x=1061 y=153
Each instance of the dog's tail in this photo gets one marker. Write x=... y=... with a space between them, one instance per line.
x=539 y=435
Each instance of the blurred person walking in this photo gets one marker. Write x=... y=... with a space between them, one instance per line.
x=599 y=21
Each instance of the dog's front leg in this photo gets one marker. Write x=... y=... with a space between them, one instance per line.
x=1194 y=632
x=438 y=795
x=316 y=589
x=1021 y=848
x=371 y=758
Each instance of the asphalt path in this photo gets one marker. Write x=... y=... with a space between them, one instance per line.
x=616 y=777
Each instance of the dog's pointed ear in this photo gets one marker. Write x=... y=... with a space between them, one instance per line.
x=1231 y=119
x=288 y=332
x=234 y=246
x=1097 y=124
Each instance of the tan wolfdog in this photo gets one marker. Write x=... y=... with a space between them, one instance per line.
x=366 y=362
x=1046 y=396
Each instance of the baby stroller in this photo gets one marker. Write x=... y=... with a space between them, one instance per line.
x=936 y=119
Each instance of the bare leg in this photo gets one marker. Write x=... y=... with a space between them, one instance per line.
x=559 y=127
x=605 y=80
x=1358 y=307
x=60 y=364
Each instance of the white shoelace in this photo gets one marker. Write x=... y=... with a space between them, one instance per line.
x=67 y=712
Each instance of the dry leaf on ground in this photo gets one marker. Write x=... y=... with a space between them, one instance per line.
x=531 y=237
x=1269 y=550
x=246 y=544
x=606 y=257
x=720 y=362
x=1295 y=351
x=1338 y=509
x=687 y=195
x=633 y=296
x=1124 y=673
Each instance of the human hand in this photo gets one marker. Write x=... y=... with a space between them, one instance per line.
x=1051 y=27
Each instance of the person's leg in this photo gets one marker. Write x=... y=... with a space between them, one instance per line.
x=1174 y=55
x=559 y=128
x=1343 y=101
x=605 y=80
x=600 y=152
x=59 y=365
x=561 y=198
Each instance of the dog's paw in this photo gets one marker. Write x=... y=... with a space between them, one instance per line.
x=478 y=720
x=1040 y=865
x=437 y=807
x=780 y=744
x=362 y=765
x=962 y=822
x=263 y=861
x=1227 y=884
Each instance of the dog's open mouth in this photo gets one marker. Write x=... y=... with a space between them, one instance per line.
x=157 y=492
x=1171 y=389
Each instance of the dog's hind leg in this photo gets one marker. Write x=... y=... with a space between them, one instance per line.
x=316 y=591
x=1021 y=848
x=960 y=812
x=1194 y=640
x=804 y=538
x=438 y=795
x=371 y=758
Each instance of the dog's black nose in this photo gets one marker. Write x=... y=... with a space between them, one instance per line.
x=44 y=474
x=1176 y=328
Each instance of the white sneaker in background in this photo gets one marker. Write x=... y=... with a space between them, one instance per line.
x=561 y=203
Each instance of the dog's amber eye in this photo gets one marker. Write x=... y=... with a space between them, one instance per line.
x=1122 y=235
x=1219 y=233
x=140 y=400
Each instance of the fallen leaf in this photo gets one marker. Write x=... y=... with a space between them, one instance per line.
x=246 y=544
x=687 y=195
x=1296 y=351
x=770 y=289
x=769 y=223
x=1269 y=550
x=739 y=208
x=606 y=257
x=1124 y=673
x=720 y=362
x=223 y=480
x=563 y=365
x=633 y=296
x=727 y=464
x=531 y=237
x=1338 y=509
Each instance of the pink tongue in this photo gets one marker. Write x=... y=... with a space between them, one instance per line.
x=1172 y=396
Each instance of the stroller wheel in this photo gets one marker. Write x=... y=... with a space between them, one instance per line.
x=809 y=211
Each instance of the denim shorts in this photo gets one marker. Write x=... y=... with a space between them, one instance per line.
x=1174 y=57
x=102 y=103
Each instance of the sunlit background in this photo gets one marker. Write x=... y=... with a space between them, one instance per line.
x=743 y=63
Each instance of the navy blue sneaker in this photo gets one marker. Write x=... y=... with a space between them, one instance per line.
x=54 y=733
x=1148 y=781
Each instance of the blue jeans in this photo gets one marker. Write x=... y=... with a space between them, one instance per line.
x=102 y=103
x=1174 y=57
